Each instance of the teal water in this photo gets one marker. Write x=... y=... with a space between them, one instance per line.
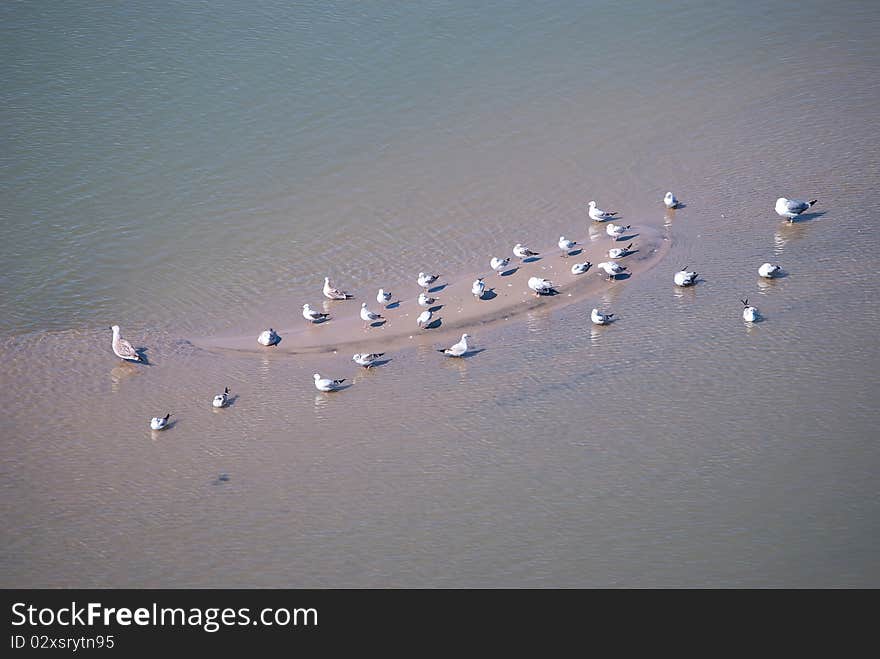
x=185 y=170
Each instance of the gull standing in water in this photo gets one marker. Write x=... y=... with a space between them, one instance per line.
x=580 y=268
x=541 y=286
x=566 y=245
x=312 y=315
x=478 y=288
x=791 y=208
x=366 y=359
x=369 y=316
x=598 y=215
x=326 y=384
x=160 y=422
x=616 y=230
x=612 y=269
x=618 y=252
x=670 y=200
x=498 y=265
x=268 y=338
x=426 y=300
x=769 y=270
x=750 y=314
x=332 y=293
x=383 y=297
x=685 y=278
x=425 y=280
x=521 y=252
x=221 y=400
x=424 y=318
x=600 y=318
x=122 y=348
x=458 y=349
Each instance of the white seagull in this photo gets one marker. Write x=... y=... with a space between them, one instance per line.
x=426 y=300
x=312 y=315
x=268 y=337
x=332 y=293
x=750 y=314
x=367 y=359
x=221 y=400
x=498 y=265
x=598 y=215
x=478 y=288
x=580 y=268
x=791 y=208
x=612 y=269
x=600 y=318
x=618 y=252
x=383 y=297
x=541 y=286
x=670 y=200
x=426 y=280
x=369 y=316
x=768 y=270
x=458 y=349
x=122 y=348
x=424 y=318
x=160 y=422
x=566 y=245
x=523 y=252
x=685 y=278
x=616 y=230
x=326 y=384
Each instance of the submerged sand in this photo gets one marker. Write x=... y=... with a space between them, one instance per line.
x=456 y=309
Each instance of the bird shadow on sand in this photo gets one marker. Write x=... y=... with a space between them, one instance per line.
x=489 y=294
x=806 y=217
x=623 y=276
x=393 y=305
x=437 y=289
x=680 y=204
x=341 y=387
x=532 y=259
x=576 y=252
x=627 y=237
x=434 y=324
x=628 y=253
x=510 y=271
x=549 y=293
x=378 y=362
x=231 y=400
x=472 y=353
x=378 y=323
x=435 y=308
x=142 y=353
x=320 y=321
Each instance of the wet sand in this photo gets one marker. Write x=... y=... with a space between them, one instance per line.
x=456 y=309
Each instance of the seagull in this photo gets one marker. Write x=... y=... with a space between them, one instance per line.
x=598 y=215
x=541 y=286
x=750 y=314
x=670 y=200
x=313 y=316
x=334 y=293
x=523 y=252
x=369 y=316
x=221 y=400
x=580 y=268
x=383 y=297
x=566 y=245
x=600 y=318
x=160 y=422
x=122 y=348
x=424 y=318
x=268 y=338
x=791 y=208
x=325 y=384
x=618 y=252
x=478 y=288
x=616 y=230
x=498 y=265
x=458 y=349
x=612 y=268
x=425 y=281
x=685 y=278
x=425 y=300
x=768 y=270
x=367 y=359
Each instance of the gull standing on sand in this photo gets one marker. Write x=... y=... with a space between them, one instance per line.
x=600 y=318
x=618 y=252
x=426 y=300
x=426 y=280
x=750 y=314
x=580 y=268
x=268 y=338
x=791 y=208
x=326 y=384
x=670 y=200
x=478 y=288
x=769 y=270
x=566 y=245
x=383 y=297
x=312 y=315
x=221 y=400
x=332 y=293
x=369 y=316
x=458 y=349
x=685 y=278
x=498 y=265
x=122 y=348
x=160 y=422
x=541 y=286
x=523 y=252
x=424 y=318
x=616 y=230
x=612 y=269
x=598 y=215
x=366 y=359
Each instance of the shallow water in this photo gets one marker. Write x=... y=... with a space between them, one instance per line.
x=193 y=173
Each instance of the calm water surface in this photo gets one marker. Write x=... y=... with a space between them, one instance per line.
x=189 y=171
